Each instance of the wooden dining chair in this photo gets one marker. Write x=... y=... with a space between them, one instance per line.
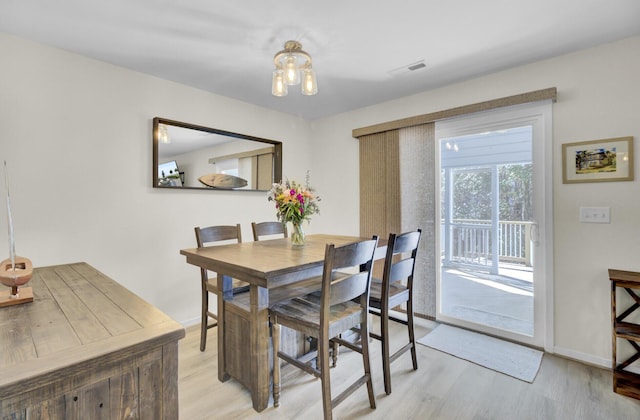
x=327 y=313
x=395 y=288
x=207 y=236
x=261 y=229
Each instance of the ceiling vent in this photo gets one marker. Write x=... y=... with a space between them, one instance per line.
x=408 y=68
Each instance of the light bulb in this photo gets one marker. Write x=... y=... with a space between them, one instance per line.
x=291 y=70
x=278 y=85
x=309 y=83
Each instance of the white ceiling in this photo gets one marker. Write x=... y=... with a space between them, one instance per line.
x=227 y=47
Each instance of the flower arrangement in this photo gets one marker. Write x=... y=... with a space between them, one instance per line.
x=294 y=203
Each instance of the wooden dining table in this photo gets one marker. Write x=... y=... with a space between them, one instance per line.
x=275 y=270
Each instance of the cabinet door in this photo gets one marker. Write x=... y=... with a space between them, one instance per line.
x=51 y=409
x=124 y=395
x=150 y=395
x=88 y=402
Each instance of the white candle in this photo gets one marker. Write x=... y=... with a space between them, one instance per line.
x=12 y=244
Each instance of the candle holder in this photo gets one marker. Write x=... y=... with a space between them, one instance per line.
x=15 y=271
x=15 y=274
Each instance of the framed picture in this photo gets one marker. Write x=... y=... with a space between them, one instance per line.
x=598 y=160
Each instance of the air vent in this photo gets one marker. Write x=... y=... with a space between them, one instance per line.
x=408 y=68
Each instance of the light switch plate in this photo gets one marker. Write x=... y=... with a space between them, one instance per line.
x=595 y=215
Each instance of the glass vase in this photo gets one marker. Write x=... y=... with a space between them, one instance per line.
x=297 y=234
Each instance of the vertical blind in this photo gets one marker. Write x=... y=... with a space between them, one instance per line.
x=397 y=193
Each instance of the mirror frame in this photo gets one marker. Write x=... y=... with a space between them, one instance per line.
x=277 y=157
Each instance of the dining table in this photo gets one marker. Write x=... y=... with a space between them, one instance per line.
x=275 y=269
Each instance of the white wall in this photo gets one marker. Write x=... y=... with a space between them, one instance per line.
x=76 y=134
x=598 y=96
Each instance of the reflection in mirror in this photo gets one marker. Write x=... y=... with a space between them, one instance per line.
x=187 y=156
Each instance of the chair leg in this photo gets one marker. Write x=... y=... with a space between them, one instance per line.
x=384 y=342
x=412 y=335
x=334 y=353
x=323 y=361
x=275 y=336
x=204 y=318
x=364 y=339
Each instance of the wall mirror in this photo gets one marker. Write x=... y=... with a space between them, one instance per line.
x=188 y=156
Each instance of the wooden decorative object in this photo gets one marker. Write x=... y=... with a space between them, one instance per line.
x=14 y=271
x=223 y=181
x=15 y=274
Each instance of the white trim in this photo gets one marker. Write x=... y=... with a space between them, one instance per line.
x=582 y=357
x=539 y=115
x=190 y=322
x=589 y=359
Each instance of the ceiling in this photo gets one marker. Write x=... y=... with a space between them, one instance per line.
x=360 y=48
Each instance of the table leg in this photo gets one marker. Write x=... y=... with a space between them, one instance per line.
x=259 y=343
x=224 y=288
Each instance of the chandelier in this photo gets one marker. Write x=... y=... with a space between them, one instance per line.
x=292 y=66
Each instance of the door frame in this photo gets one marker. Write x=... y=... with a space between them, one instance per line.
x=539 y=116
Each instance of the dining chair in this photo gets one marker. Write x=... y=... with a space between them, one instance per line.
x=327 y=313
x=207 y=236
x=267 y=229
x=395 y=288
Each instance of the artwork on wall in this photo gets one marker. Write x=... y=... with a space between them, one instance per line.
x=598 y=160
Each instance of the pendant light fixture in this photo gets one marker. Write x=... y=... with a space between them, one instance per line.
x=163 y=134
x=293 y=65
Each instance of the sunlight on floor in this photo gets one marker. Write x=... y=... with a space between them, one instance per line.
x=491 y=283
x=502 y=301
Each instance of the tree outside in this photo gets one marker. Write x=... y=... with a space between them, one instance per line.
x=472 y=193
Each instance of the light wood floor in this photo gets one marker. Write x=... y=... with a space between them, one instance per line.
x=443 y=387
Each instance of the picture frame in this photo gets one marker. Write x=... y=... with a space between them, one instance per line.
x=605 y=160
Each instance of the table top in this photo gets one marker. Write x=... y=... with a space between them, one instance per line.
x=268 y=263
x=78 y=315
x=628 y=278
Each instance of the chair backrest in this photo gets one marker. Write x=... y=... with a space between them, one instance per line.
x=397 y=264
x=347 y=275
x=268 y=228
x=211 y=234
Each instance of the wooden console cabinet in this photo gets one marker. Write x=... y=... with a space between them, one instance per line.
x=625 y=382
x=87 y=348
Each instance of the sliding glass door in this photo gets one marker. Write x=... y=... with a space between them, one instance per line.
x=492 y=203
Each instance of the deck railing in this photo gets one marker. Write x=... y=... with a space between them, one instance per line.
x=471 y=242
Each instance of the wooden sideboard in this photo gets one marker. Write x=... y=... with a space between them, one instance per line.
x=87 y=348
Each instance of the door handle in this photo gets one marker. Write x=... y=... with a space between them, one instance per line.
x=535 y=234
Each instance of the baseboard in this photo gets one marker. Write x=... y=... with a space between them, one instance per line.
x=582 y=357
x=589 y=359
x=190 y=322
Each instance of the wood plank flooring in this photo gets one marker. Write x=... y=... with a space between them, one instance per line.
x=443 y=388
